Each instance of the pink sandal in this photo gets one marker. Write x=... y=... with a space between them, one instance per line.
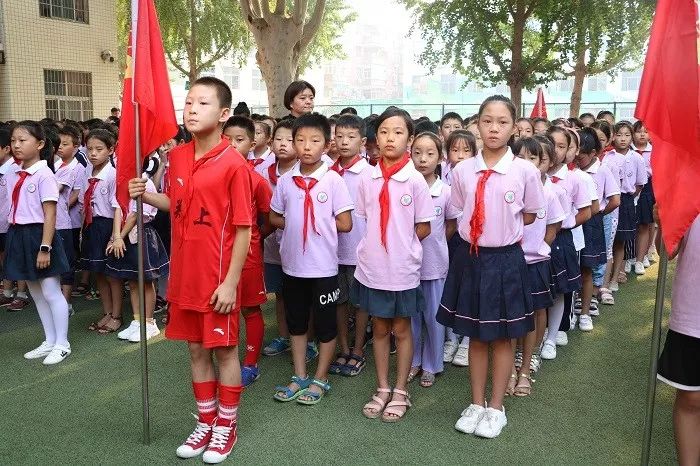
x=376 y=405
x=391 y=413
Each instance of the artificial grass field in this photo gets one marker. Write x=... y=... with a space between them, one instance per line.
x=587 y=406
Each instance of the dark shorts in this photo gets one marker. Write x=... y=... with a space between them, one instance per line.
x=388 y=304
x=302 y=296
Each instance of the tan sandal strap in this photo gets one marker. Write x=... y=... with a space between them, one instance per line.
x=401 y=392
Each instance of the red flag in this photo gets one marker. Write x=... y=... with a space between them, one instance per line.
x=540 y=108
x=668 y=104
x=146 y=83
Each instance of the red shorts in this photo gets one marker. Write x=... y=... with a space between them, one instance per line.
x=211 y=329
x=252 y=287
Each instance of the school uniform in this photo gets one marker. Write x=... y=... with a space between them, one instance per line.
x=633 y=174
x=260 y=164
x=155 y=258
x=588 y=185
x=67 y=176
x=487 y=294
x=389 y=259
x=5 y=168
x=272 y=262
x=606 y=186
x=646 y=200
x=428 y=346
x=594 y=255
x=679 y=364
x=347 y=242
x=253 y=275
x=27 y=190
x=209 y=199
x=537 y=251
x=98 y=192
x=309 y=247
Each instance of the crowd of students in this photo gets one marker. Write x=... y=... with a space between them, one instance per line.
x=438 y=241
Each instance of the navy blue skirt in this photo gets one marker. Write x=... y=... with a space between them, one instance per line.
x=67 y=237
x=563 y=264
x=627 y=219
x=594 y=253
x=539 y=275
x=487 y=296
x=645 y=205
x=23 y=243
x=452 y=245
x=387 y=304
x=95 y=239
x=155 y=259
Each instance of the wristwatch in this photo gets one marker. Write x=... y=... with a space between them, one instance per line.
x=45 y=248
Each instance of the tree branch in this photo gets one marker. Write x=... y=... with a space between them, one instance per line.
x=176 y=64
x=217 y=56
x=279 y=8
x=311 y=28
x=264 y=6
x=299 y=14
x=250 y=15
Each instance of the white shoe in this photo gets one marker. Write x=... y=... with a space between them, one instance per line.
x=562 y=338
x=614 y=286
x=628 y=265
x=126 y=333
x=41 y=351
x=549 y=350
x=646 y=262
x=639 y=268
x=492 y=423
x=151 y=331
x=196 y=443
x=448 y=353
x=461 y=359
x=593 y=310
x=585 y=323
x=470 y=418
x=57 y=354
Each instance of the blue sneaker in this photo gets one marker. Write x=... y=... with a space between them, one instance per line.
x=249 y=374
x=311 y=351
x=277 y=346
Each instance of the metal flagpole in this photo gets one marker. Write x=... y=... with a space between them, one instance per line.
x=655 y=346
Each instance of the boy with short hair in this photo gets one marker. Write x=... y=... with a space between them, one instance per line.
x=209 y=201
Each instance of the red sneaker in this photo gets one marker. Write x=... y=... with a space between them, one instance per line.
x=222 y=442
x=197 y=442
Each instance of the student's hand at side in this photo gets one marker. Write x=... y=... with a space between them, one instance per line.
x=137 y=186
x=43 y=260
x=224 y=298
x=117 y=247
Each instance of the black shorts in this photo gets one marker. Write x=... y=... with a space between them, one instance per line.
x=679 y=363
x=305 y=295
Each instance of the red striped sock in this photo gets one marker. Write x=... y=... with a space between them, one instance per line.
x=229 y=399
x=255 y=332
x=205 y=396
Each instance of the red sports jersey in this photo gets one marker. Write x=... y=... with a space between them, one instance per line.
x=262 y=194
x=209 y=198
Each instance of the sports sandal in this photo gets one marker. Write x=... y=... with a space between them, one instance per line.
x=524 y=388
x=112 y=325
x=351 y=370
x=427 y=379
x=375 y=407
x=396 y=410
x=606 y=297
x=337 y=366
x=413 y=373
x=285 y=393
x=309 y=397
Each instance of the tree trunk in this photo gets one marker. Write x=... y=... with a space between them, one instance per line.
x=580 y=72
x=515 y=80
x=516 y=95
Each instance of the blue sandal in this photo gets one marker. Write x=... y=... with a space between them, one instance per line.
x=314 y=397
x=351 y=370
x=336 y=367
x=288 y=393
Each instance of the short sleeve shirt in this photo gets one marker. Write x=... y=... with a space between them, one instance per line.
x=535 y=247
x=67 y=177
x=5 y=168
x=435 y=254
x=347 y=242
x=39 y=186
x=261 y=196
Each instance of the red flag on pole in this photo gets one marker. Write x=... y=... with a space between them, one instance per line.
x=146 y=83
x=669 y=107
x=540 y=108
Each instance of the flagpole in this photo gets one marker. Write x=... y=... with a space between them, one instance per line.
x=655 y=346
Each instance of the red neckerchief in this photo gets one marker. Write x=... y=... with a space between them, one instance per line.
x=336 y=167
x=15 y=192
x=476 y=223
x=272 y=174
x=308 y=204
x=384 y=200
x=255 y=162
x=87 y=199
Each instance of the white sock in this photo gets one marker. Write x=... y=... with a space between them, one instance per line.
x=51 y=288
x=554 y=316
x=44 y=311
x=451 y=336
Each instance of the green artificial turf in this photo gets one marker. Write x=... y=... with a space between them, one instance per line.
x=587 y=406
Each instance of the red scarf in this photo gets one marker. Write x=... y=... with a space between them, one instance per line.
x=87 y=200
x=308 y=204
x=556 y=179
x=476 y=223
x=571 y=166
x=272 y=174
x=336 y=167
x=255 y=162
x=15 y=193
x=384 y=200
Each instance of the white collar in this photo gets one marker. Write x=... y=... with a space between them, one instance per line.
x=402 y=175
x=5 y=167
x=317 y=174
x=594 y=167
x=502 y=166
x=358 y=167
x=561 y=173
x=646 y=149
x=33 y=169
x=251 y=154
x=70 y=166
x=436 y=188
x=102 y=175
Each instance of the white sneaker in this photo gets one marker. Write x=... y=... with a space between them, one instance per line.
x=461 y=359
x=562 y=338
x=492 y=423
x=470 y=418
x=549 y=350
x=585 y=323
x=57 y=354
x=196 y=443
x=628 y=265
x=646 y=262
x=639 y=268
x=151 y=331
x=614 y=286
x=448 y=353
x=126 y=333
x=39 y=352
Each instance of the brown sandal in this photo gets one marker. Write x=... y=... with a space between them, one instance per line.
x=510 y=389
x=99 y=323
x=110 y=327
x=522 y=389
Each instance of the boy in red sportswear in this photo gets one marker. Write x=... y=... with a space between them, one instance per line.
x=209 y=201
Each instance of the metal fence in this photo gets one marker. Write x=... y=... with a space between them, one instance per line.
x=621 y=110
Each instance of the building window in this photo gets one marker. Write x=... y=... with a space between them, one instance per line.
x=72 y=10
x=598 y=83
x=630 y=81
x=258 y=82
x=448 y=84
x=232 y=76
x=565 y=85
x=68 y=94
